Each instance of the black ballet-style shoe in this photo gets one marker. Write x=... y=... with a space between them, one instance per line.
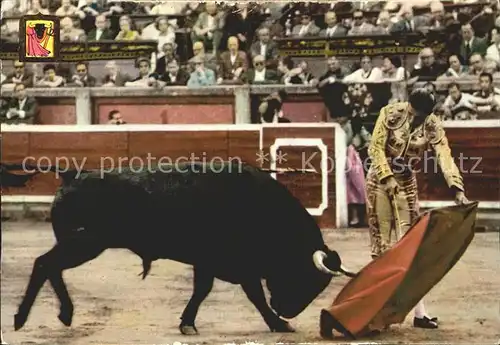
x=425 y=322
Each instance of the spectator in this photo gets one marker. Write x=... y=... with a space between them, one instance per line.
x=476 y=64
x=366 y=74
x=242 y=22
x=260 y=74
x=174 y=76
x=113 y=75
x=264 y=46
x=286 y=70
x=114 y=9
x=20 y=75
x=35 y=7
x=393 y=72
x=66 y=9
x=201 y=76
x=333 y=27
x=167 y=8
x=126 y=33
x=488 y=92
x=276 y=30
x=208 y=27
x=407 y=22
x=270 y=109
x=458 y=102
x=115 y=118
x=436 y=18
x=431 y=88
x=9 y=33
x=82 y=78
x=384 y=24
x=87 y=13
x=306 y=27
x=427 y=68
x=144 y=78
x=492 y=68
x=233 y=63
x=360 y=27
x=304 y=76
x=100 y=32
x=162 y=32
x=69 y=33
x=335 y=72
x=456 y=69
x=167 y=55
x=471 y=44
x=20 y=109
x=50 y=78
x=209 y=60
x=191 y=11
x=493 y=51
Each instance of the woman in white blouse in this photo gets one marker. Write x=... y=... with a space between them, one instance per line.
x=366 y=74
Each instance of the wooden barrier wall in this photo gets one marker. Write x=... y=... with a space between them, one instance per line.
x=119 y=146
x=476 y=151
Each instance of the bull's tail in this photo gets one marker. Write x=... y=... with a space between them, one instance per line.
x=146 y=267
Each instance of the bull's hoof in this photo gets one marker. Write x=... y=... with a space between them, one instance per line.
x=66 y=318
x=19 y=321
x=188 y=330
x=325 y=325
x=328 y=323
x=282 y=326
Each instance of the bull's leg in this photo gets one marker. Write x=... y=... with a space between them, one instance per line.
x=64 y=255
x=203 y=282
x=255 y=294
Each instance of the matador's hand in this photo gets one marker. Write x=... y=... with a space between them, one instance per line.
x=391 y=186
x=460 y=198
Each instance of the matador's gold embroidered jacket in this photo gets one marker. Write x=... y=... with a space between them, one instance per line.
x=392 y=139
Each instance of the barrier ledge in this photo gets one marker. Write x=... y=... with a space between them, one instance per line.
x=216 y=90
x=159 y=127
x=211 y=127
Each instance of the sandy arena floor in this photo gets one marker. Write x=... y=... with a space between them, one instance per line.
x=114 y=306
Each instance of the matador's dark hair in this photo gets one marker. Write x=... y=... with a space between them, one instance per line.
x=422 y=101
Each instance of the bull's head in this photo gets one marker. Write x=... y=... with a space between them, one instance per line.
x=296 y=286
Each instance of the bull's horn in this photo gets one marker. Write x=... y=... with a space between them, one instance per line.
x=318 y=258
x=347 y=272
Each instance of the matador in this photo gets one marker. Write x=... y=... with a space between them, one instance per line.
x=402 y=133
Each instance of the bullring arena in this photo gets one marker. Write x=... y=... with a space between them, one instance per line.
x=136 y=84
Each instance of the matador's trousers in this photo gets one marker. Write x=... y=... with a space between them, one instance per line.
x=381 y=222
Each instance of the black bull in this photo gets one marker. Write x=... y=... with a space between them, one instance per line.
x=233 y=222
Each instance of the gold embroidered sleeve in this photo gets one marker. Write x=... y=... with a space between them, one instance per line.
x=436 y=135
x=376 y=149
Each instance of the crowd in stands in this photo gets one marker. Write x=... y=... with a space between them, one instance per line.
x=235 y=43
